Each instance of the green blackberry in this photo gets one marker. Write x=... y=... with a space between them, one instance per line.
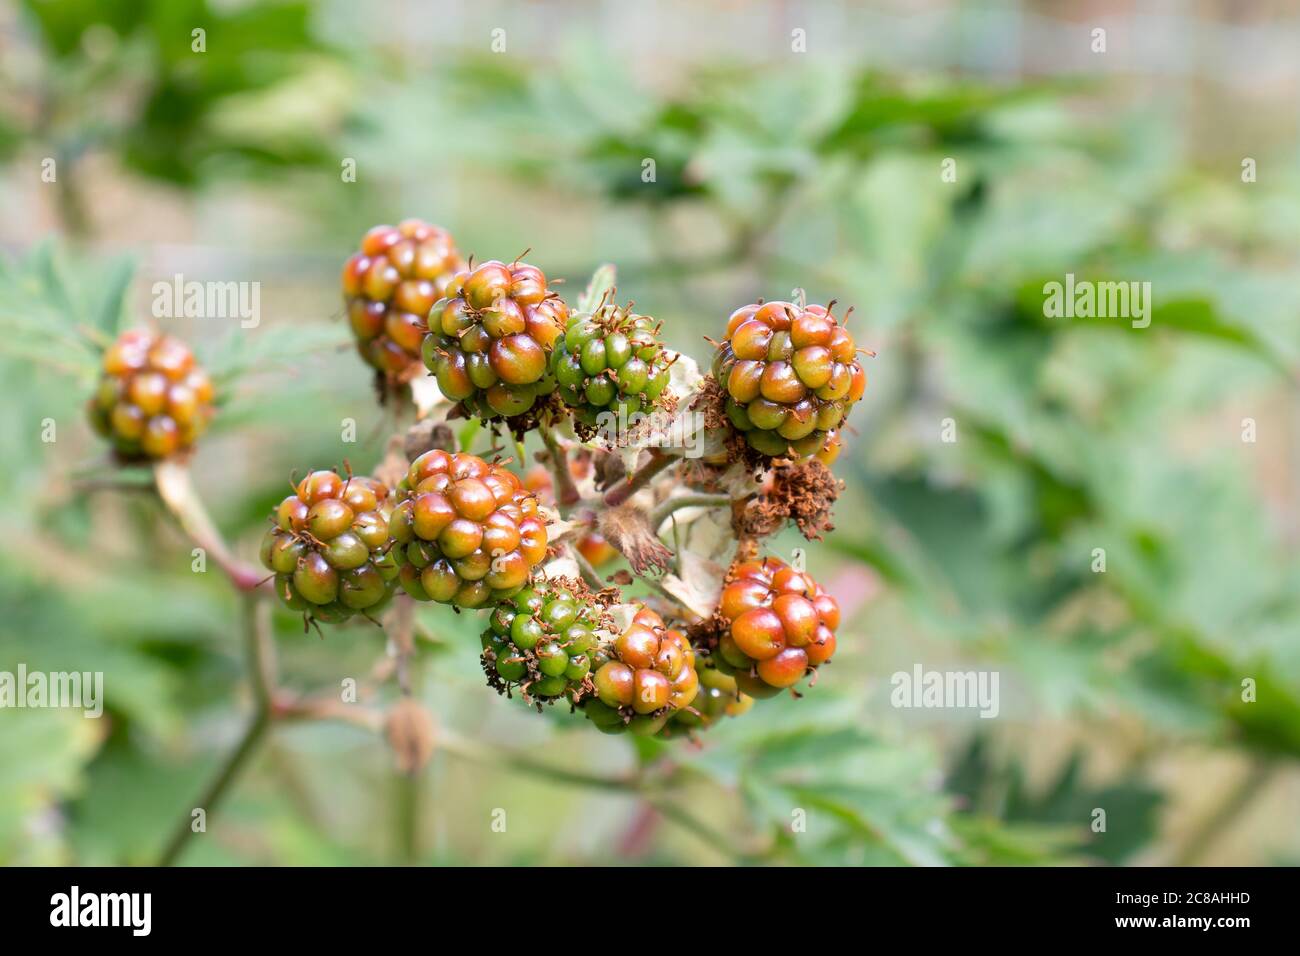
x=610 y=361
x=541 y=641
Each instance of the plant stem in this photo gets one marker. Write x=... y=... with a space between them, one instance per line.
x=587 y=570
x=176 y=489
x=261 y=667
x=1252 y=783
x=638 y=480
x=514 y=761
x=566 y=492
x=662 y=511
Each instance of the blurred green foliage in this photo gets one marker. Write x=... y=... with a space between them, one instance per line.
x=1070 y=436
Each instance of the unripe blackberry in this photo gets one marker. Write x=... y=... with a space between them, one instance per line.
x=610 y=361
x=466 y=532
x=329 y=547
x=153 y=400
x=642 y=677
x=780 y=625
x=541 y=641
x=791 y=374
x=491 y=336
x=718 y=696
x=389 y=287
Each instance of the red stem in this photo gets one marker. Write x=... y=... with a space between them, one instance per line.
x=635 y=482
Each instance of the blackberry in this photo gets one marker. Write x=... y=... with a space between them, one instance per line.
x=329 y=547
x=790 y=373
x=641 y=678
x=466 y=532
x=718 y=696
x=153 y=401
x=389 y=287
x=780 y=624
x=610 y=361
x=491 y=336
x=541 y=641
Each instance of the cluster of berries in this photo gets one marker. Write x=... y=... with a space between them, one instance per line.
x=490 y=338
x=153 y=400
x=460 y=530
x=390 y=286
x=791 y=373
x=328 y=547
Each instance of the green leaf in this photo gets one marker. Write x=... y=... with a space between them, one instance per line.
x=600 y=286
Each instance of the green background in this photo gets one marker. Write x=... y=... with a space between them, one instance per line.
x=774 y=170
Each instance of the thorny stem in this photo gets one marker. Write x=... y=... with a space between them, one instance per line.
x=666 y=508
x=566 y=492
x=176 y=489
x=638 y=480
x=260 y=659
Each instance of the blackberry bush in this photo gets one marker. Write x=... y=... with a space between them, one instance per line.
x=389 y=288
x=791 y=373
x=153 y=401
x=490 y=338
x=328 y=547
x=465 y=532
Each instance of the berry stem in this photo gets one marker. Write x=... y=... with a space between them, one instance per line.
x=566 y=492
x=666 y=508
x=260 y=661
x=638 y=480
x=587 y=570
x=175 y=486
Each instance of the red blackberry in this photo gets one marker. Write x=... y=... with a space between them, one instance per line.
x=389 y=287
x=329 y=547
x=791 y=373
x=781 y=625
x=153 y=400
x=466 y=532
x=490 y=338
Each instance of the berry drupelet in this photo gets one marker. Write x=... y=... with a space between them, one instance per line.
x=153 y=400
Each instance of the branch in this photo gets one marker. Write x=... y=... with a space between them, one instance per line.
x=666 y=508
x=638 y=480
x=566 y=492
x=260 y=661
x=176 y=489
